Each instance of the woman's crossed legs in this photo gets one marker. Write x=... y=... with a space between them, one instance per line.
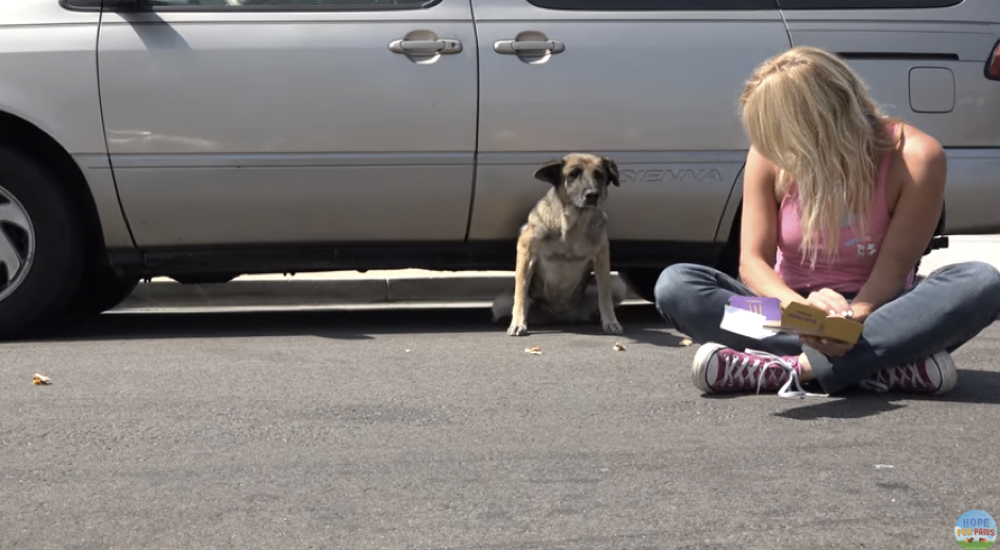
x=905 y=345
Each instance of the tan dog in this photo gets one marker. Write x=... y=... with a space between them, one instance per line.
x=563 y=249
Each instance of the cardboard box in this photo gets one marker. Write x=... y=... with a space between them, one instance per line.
x=799 y=319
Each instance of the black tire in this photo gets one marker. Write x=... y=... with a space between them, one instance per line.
x=100 y=291
x=53 y=274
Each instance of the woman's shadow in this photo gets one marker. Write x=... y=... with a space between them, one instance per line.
x=974 y=387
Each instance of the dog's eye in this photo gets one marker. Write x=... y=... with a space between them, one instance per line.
x=575 y=174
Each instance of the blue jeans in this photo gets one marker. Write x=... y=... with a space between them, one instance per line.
x=951 y=306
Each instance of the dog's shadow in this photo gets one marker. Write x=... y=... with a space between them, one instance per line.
x=976 y=387
x=640 y=323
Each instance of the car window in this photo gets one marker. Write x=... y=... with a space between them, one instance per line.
x=654 y=5
x=288 y=4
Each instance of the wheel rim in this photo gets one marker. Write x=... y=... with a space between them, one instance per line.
x=17 y=243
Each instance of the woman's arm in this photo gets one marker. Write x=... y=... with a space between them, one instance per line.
x=759 y=231
x=912 y=225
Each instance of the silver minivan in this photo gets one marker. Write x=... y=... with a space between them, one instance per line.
x=204 y=139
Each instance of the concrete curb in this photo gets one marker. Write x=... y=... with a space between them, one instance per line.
x=302 y=290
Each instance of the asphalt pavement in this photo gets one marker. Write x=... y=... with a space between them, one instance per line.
x=429 y=428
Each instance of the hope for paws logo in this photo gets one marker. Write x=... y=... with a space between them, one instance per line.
x=975 y=529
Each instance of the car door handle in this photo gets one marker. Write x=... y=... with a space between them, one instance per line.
x=529 y=46
x=438 y=46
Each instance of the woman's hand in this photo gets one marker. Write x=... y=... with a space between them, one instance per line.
x=831 y=302
x=835 y=305
x=827 y=346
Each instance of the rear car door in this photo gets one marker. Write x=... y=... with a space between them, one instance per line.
x=925 y=61
x=652 y=83
x=291 y=121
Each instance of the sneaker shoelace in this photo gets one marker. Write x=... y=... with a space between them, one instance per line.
x=739 y=366
x=908 y=376
x=786 y=391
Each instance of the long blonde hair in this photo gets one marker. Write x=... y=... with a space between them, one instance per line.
x=811 y=115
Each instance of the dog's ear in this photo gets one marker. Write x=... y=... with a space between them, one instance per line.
x=550 y=172
x=612 y=169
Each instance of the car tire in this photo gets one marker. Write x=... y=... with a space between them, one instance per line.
x=100 y=291
x=41 y=246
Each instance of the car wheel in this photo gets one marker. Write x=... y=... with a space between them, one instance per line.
x=100 y=291
x=41 y=249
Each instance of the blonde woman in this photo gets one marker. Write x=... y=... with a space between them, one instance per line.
x=839 y=203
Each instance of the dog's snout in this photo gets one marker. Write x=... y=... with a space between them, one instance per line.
x=591 y=197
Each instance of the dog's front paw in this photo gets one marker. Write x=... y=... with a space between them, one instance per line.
x=612 y=327
x=517 y=330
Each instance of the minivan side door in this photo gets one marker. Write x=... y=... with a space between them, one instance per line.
x=652 y=83
x=245 y=122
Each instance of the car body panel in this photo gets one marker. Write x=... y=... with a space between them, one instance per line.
x=248 y=127
x=44 y=13
x=48 y=63
x=264 y=129
x=972 y=193
x=900 y=53
x=70 y=114
x=656 y=90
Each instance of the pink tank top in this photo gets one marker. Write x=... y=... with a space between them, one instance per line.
x=849 y=270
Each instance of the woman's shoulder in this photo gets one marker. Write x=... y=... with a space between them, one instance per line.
x=760 y=172
x=919 y=165
x=920 y=152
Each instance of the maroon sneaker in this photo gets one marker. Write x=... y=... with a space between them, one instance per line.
x=935 y=375
x=718 y=369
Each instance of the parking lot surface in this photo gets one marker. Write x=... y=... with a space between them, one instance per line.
x=430 y=428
